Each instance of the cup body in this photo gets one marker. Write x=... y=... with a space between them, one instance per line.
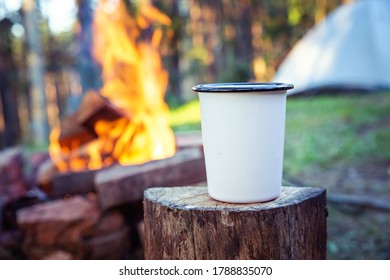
x=243 y=141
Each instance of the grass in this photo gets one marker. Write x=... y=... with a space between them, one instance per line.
x=186 y=117
x=323 y=130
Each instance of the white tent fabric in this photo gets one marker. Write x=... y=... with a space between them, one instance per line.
x=351 y=47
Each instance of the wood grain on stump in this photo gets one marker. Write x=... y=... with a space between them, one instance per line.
x=185 y=223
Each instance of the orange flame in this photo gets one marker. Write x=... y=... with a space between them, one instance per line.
x=134 y=83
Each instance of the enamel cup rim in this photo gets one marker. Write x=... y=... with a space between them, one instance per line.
x=243 y=87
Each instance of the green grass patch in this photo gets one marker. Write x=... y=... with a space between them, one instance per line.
x=324 y=130
x=186 y=117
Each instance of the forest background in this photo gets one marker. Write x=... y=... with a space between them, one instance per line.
x=207 y=41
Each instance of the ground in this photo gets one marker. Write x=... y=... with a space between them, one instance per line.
x=355 y=232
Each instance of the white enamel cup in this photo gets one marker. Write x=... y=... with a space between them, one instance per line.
x=243 y=128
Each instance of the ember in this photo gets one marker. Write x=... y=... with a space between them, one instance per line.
x=126 y=46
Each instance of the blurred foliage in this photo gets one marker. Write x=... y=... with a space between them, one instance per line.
x=214 y=40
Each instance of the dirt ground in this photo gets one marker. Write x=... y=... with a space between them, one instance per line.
x=356 y=232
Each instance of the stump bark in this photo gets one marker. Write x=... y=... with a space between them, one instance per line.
x=185 y=223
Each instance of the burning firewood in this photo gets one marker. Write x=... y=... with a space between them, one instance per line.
x=73 y=134
x=93 y=108
x=77 y=139
x=91 y=155
x=79 y=128
x=129 y=116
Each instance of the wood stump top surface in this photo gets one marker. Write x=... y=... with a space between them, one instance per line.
x=197 y=198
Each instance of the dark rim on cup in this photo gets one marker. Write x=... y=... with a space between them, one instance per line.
x=242 y=87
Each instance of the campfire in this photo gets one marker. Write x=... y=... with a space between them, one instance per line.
x=127 y=121
x=103 y=156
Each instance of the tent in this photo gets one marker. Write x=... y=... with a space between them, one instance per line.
x=348 y=49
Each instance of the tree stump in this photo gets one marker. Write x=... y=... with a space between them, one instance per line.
x=185 y=223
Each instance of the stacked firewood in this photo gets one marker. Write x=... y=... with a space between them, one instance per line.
x=98 y=214
x=12 y=188
x=12 y=184
x=90 y=214
x=73 y=228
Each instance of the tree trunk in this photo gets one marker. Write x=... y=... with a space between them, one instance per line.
x=8 y=86
x=185 y=223
x=87 y=68
x=40 y=124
